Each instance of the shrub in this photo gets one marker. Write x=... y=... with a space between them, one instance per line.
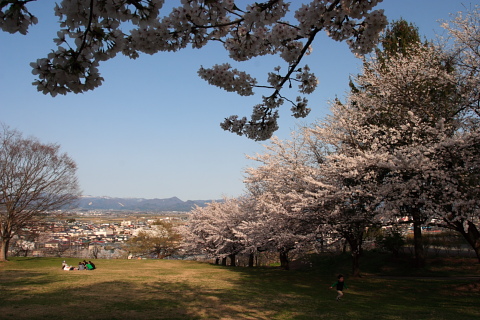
x=390 y=240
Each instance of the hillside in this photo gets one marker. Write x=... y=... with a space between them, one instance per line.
x=138 y=204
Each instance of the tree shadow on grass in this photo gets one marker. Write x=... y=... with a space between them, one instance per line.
x=156 y=299
x=23 y=278
x=194 y=291
x=305 y=295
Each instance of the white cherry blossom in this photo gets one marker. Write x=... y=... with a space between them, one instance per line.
x=94 y=31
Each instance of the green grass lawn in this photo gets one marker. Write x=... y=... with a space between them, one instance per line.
x=37 y=288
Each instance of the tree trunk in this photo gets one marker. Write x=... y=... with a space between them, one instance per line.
x=224 y=261
x=356 y=249
x=418 y=243
x=4 y=249
x=472 y=235
x=355 y=264
x=217 y=260
x=284 y=262
x=251 y=260
x=232 y=260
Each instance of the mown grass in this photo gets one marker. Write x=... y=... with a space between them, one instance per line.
x=37 y=288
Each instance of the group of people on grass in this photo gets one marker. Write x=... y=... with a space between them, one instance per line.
x=82 y=265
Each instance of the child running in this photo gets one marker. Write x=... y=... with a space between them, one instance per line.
x=340 y=285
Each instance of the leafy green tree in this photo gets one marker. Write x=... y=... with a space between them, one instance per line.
x=398 y=38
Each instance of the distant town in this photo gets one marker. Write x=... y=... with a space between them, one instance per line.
x=86 y=232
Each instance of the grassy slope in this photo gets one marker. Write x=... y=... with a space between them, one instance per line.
x=37 y=288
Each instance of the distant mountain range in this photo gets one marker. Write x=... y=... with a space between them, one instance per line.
x=138 y=204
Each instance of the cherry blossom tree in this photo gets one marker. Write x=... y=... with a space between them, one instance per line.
x=211 y=230
x=248 y=229
x=427 y=97
x=35 y=179
x=402 y=106
x=465 y=34
x=344 y=190
x=455 y=181
x=436 y=91
x=404 y=143
x=366 y=182
x=277 y=185
x=196 y=234
x=95 y=31
x=406 y=96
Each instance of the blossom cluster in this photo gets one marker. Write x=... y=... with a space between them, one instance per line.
x=95 y=31
x=263 y=122
x=465 y=28
x=94 y=28
x=308 y=81
x=413 y=90
x=231 y=80
x=14 y=17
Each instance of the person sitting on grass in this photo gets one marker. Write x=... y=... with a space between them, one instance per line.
x=91 y=263
x=89 y=266
x=340 y=285
x=81 y=266
x=66 y=267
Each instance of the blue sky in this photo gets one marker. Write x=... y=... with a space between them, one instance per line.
x=152 y=129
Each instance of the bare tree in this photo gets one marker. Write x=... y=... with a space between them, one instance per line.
x=35 y=179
